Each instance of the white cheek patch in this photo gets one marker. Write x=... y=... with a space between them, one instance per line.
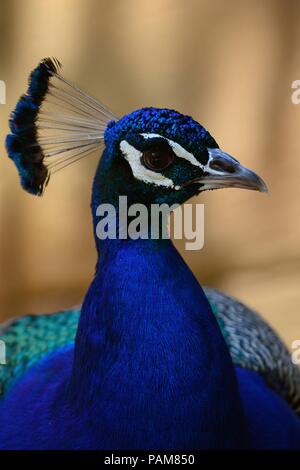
x=133 y=156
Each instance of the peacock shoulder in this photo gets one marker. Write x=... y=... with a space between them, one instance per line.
x=254 y=345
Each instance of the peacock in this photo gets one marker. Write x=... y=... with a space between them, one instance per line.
x=150 y=360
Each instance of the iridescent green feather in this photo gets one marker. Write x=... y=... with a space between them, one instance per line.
x=30 y=338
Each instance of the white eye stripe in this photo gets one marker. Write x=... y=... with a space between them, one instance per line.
x=183 y=153
x=178 y=150
x=140 y=172
x=133 y=156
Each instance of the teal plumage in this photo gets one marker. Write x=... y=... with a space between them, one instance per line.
x=29 y=338
x=252 y=343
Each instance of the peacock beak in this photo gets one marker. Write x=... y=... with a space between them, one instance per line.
x=224 y=171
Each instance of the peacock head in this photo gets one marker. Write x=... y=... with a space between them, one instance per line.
x=161 y=156
x=151 y=155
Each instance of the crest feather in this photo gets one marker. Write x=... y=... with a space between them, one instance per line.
x=53 y=125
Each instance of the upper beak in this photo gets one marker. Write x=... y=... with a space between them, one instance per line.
x=225 y=171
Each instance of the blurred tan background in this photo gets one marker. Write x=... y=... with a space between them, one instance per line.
x=229 y=64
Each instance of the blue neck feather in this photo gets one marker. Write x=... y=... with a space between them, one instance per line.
x=149 y=351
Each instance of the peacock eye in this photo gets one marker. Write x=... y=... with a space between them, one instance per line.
x=157 y=160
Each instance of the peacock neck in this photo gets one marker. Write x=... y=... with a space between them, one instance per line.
x=150 y=361
x=147 y=338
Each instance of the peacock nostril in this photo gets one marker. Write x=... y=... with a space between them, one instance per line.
x=222 y=165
